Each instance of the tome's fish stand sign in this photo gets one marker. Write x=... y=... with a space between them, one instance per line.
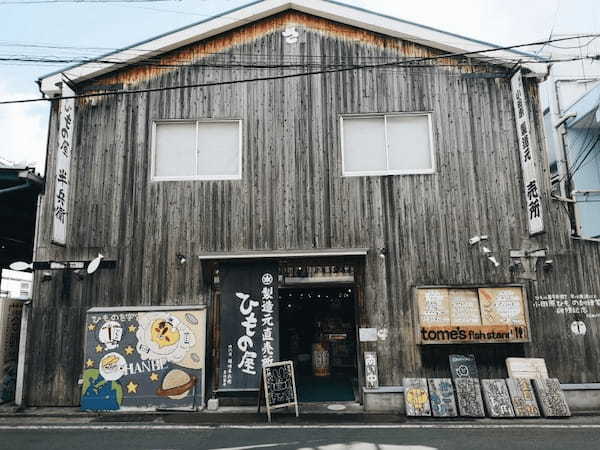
x=144 y=357
x=278 y=386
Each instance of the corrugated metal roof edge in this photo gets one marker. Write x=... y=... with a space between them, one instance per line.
x=357 y=8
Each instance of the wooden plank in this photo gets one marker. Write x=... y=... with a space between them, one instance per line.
x=468 y=393
x=551 y=398
x=522 y=397
x=441 y=395
x=497 y=399
x=526 y=368
x=416 y=397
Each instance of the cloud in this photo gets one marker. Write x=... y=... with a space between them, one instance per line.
x=23 y=128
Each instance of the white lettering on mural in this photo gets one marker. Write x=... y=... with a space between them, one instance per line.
x=245 y=343
x=151 y=365
x=267 y=320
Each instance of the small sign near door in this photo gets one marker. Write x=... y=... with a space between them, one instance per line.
x=371 y=373
x=278 y=387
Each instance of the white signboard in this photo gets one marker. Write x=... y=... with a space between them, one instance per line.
x=367 y=334
x=527 y=155
x=62 y=173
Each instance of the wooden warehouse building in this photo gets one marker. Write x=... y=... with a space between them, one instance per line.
x=311 y=181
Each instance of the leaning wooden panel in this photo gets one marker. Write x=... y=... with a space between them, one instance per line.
x=416 y=397
x=497 y=398
x=551 y=397
x=468 y=393
x=441 y=395
x=522 y=397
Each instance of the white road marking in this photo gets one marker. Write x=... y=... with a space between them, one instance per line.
x=113 y=427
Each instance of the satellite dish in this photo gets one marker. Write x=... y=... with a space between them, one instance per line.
x=20 y=265
x=93 y=266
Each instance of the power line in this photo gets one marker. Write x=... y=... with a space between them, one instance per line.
x=284 y=76
x=39 y=2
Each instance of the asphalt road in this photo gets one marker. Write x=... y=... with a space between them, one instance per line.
x=402 y=437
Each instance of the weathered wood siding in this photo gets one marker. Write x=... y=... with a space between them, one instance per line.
x=292 y=196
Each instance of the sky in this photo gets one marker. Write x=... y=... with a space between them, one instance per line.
x=94 y=28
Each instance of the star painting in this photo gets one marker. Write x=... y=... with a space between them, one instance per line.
x=132 y=328
x=99 y=348
x=132 y=388
x=129 y=350
x=89 y=363
x=91 y=327
x=153 y=377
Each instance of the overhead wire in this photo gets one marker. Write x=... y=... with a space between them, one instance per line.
x=286 y=76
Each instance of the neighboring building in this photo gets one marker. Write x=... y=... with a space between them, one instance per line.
x=572 y=92
x=331 y=181
x=16 y=285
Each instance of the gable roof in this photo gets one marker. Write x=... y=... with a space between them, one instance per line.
x=327 y=9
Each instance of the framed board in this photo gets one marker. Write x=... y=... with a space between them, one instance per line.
x=471 y=315
x=144 y=357
x=371 y=372
x=278 y=387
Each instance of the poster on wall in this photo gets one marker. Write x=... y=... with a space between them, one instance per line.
x=249 y=323
x=144 y=357
x=471 y=315
x=10 y=332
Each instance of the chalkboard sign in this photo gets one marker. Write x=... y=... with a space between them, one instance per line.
x=551 y=397
x=523 y=398
x=441 y=395
x=463 y=366
x=278 y=387
x=497 y=398
x=468 y=393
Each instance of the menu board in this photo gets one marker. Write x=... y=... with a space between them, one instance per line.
x=416 y=397
x=526 y=368
x=278 y=387
x=551 y=397
x=468 y=393
x=523 y=398
x=371 y=372
x=441 y=395
x=497 y=398
x=471 y=315
x=463 y=366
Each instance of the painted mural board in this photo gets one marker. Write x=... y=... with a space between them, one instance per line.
x=463 y=366
x=497 y=399
x=551 y=398
x=10 y=331
x=468 y=394
x=416 y=397
x=476 y=315
x=441 y=396
x=522 y=397
x=371 y=371
x=526 y=368
x=249 y=323
x=144 y=357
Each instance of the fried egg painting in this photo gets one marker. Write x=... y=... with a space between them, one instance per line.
x=161 y=335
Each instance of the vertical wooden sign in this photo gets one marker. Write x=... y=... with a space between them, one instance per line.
x=468 y=393
x=278 y=387
x=531 y=183
x=523 y=398
x=371 y=372
x=552 y=399
x=62 y=170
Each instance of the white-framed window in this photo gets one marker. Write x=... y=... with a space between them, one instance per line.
x=387 y=144
x=204 y=149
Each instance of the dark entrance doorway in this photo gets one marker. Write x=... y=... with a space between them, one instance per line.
x=318 y=332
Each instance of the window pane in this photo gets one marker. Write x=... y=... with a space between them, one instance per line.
x=219 y=148
x=175 y=144
x=364 y=144
x=408 y=143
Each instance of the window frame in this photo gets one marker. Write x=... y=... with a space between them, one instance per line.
x=197 y=122
x=387 y=171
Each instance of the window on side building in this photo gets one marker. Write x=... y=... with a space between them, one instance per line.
x=387 y=144
x=197 y=150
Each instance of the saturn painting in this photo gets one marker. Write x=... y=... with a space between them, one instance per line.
x=176 y=384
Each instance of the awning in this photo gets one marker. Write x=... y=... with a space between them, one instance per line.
x=284 y=254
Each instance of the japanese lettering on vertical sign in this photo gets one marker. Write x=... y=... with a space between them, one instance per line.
x=527 y=155
x=62 y=177
x=249 y=323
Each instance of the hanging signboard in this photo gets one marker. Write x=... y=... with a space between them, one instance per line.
x=62 y=172
x=144 y=357
x=278 y=387
x=471 y=315
x=249 y=323
x=371 y=371
x=531 y=182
